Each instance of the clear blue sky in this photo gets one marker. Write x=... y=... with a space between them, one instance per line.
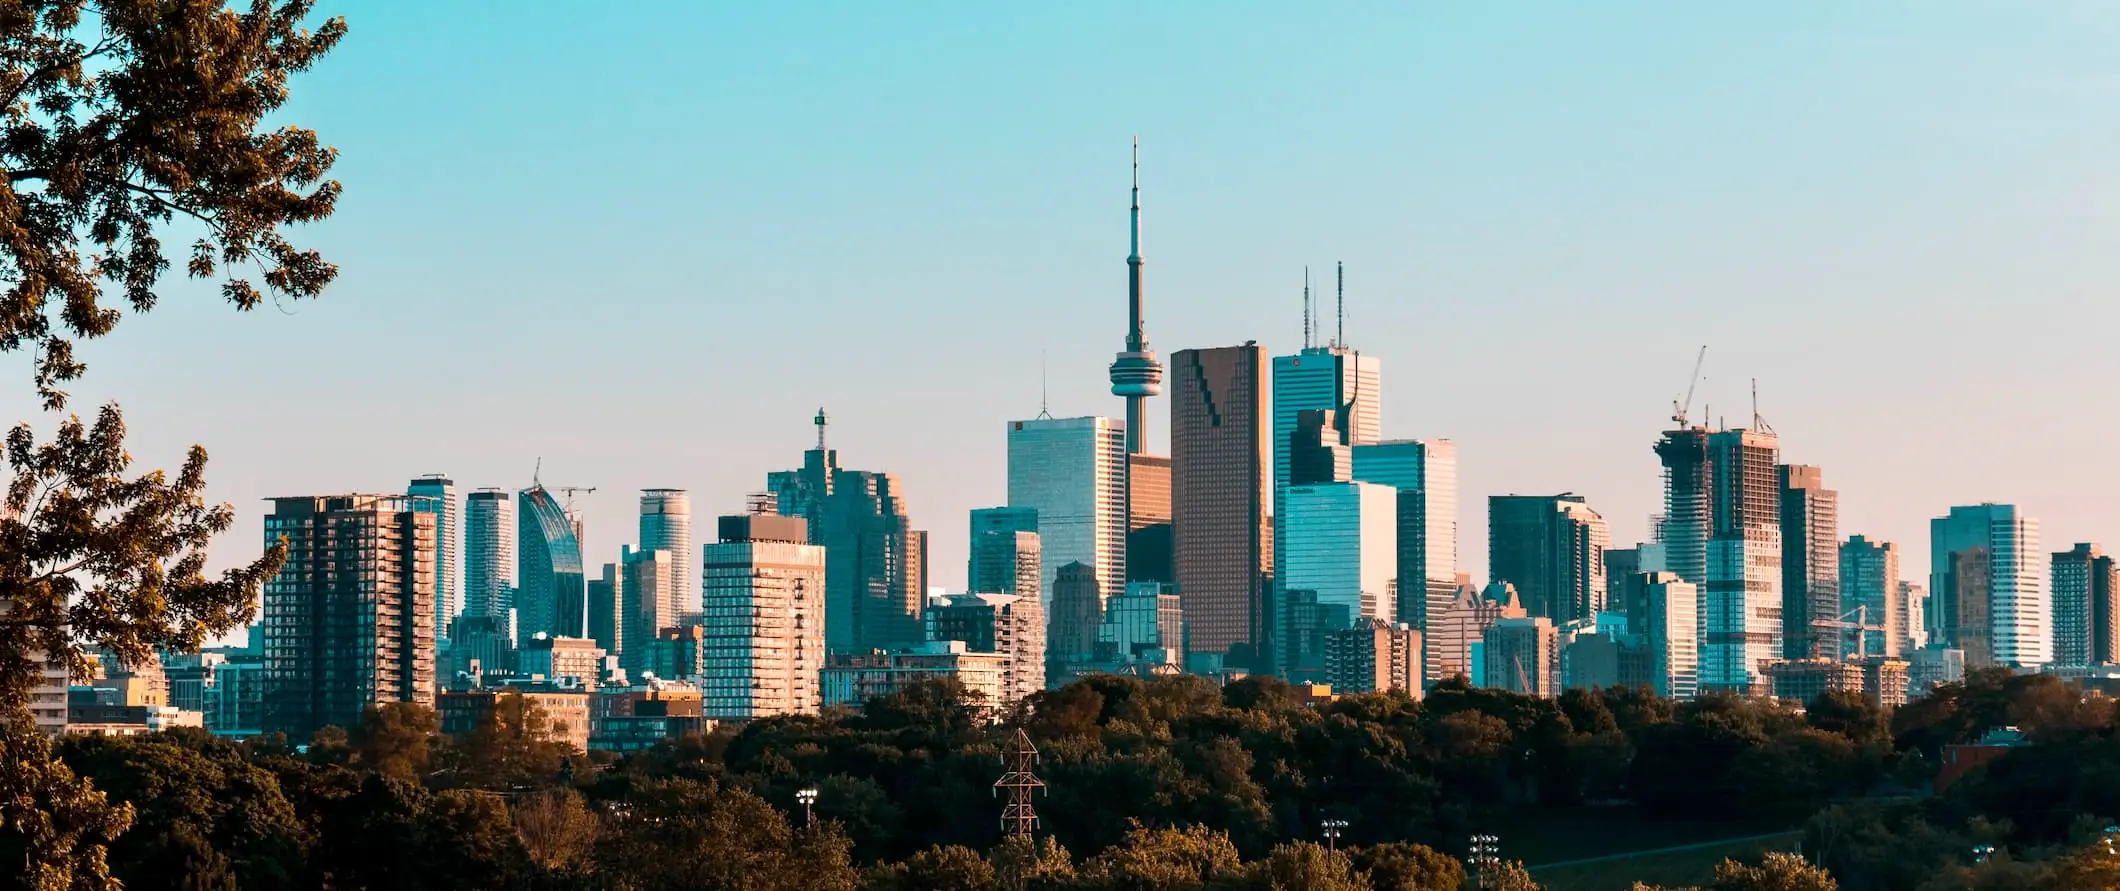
x=647 y=241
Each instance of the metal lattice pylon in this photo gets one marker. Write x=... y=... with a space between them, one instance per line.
x=1019 y=781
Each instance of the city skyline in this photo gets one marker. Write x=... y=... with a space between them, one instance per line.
x=1649 y=236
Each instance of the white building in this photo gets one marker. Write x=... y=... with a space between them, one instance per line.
x=1671 y=631
x=1339 y=546
x=763 y=644
x=1072 y=471
x=489 y=553
x=666 y=525
x=1740 y=621
x=851 y=679
x=1424 y=471
x=1988 y=586
x=1009 y=624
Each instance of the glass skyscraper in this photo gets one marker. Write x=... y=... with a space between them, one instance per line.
x=551 y=595
x=489 y=554
x=436 y=494
x=1869 y=582
x=1552 y=549
x=1338 y=553
x=1987 y=586
x=666 y=525
x=1072 y=472
x=1424 y=472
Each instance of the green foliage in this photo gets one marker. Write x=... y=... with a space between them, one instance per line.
x=1309 y=866
x=1148 y=859
x=1402 y=866
x=58 y=825
x=393 y=737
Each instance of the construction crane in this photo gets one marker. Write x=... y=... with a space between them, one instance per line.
x=1857 y=628
x=1679 y=409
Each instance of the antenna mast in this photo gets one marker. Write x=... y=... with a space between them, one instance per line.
x=1044 y=411
x=1339 y=334
x=1306 y=308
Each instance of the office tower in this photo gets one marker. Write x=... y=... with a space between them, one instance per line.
x=1145 y=623
x=607 y=611
x=436 y=494
x=1135 y=373
x=1625 y=589
x=349 y=619
x=1459 y=625
x=1221 y=474
x=875 y=565
x=1315 y=452
x=1334 y=378
x=1987 y=591
x=1552 y=549
x=489 y=553
x=1424 y=471
x=1007 y=557
x=1913 y=627
x=764 y=639
x=1340 y=549
x=1148 y=518
x=1870 y=596
x=1072 y=473
x=1670 y=627
x=1523 y=655
x=649 y=602
x=1374 y=656
x=802 y=493
x=2086 y=611
x=1810 y=564
x=1077 y=611
x=1010 y=624
x=666 y=525
x=1740 y=623
x=549 y=595
x=1722 y=532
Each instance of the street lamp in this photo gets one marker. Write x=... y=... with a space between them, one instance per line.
x=1981 y=853
x=1486 y=852
x=1332 y=833
x=808 y=797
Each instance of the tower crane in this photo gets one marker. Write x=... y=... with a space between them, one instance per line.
x=1857 y=628
x=1680 y=409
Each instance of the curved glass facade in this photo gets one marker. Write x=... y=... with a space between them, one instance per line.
x=550 y=596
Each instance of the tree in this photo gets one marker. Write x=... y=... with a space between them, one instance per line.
x=1022 y=864
x=1778 y=871
x=392 y=738
x=1404 y=866
x=939 y=868
x=1308 y=866
x=556 y=828
x=1164 y=860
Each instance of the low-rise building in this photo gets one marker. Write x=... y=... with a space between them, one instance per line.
x=1798 y=681
x=851 y=679
x=566 y=709
x=639 y=717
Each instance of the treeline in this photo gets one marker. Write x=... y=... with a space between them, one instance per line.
x=1171 y=783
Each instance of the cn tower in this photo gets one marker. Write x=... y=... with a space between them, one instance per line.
x=1136 y=375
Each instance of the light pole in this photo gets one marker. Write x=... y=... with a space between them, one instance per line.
x=1981 y=853
x=1486 y=852
x=1332 y=833
x=808 y=797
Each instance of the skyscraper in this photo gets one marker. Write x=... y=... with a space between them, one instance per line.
x=1670 y=625
x=436 y=494
x=1340 y=551
x=1913 y=626
x=1135 y=373
x=1221 y=475
x=1077 y=613
x=1375 y=656
x=1148 y=518
x=1072 y=473
x=1724 y=487
x=1523 y=655
x=489 y=554
x=349 y=619
x=1009 y=624
x=764 y=644
x=666 y=525
x=550 y=596
x=1000 y=553
x=1626 y=588
x=1810 y=564
x=1741 y=610
x=877 y=562
x=1335 y=378
x=1424 y=471
x=1869 y=582
x=2086 y=591
x=1987 y=590
x=649 y=603
x=607 y=611
x=1552 y=548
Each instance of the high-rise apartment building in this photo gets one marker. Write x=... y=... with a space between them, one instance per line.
x=1340 y=549
x=1523 y=655
x=649 y=602
x=1221 y=481
x=1424 y=472
x=1010 y=624
x=764 y=640
x=349 y=619
x=1810 y=564
x=1722 y=531
x=2086 y=594
x=1988 y=588
x=607 y=610
x=1869 y=588
x=1913 y=626
x=1740 y=623
x=1072 y=473
x=1670 y=628
x=1625 y=588
x=436 y=494
x=666 y=525
x=1552 y=549
x=550 y=594
x=489 y=554
x=1374 y=656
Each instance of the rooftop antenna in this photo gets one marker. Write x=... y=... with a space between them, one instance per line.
x=820 y=421
x=1339 y=334
x=1758 y=423
x=1044 y=412
x=1307 y=343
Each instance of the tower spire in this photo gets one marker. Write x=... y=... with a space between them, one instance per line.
x=1135 y=373
x=1339 y=333
x=1306 y=307
x=820 y=421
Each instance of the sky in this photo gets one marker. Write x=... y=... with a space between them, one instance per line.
x=643 y=245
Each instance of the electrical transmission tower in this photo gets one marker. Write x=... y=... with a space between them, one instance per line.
x=1020 y=782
